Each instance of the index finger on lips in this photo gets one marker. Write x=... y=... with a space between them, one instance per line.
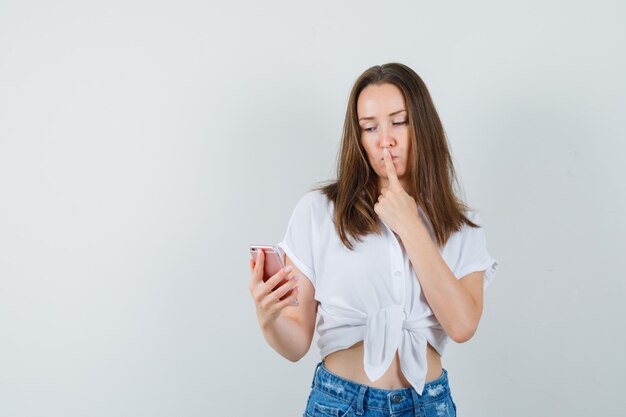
x=391 y=169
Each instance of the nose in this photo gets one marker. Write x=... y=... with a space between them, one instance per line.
x=387 y=139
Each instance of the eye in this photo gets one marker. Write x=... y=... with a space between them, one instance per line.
x=369 y=129
x=400 y=123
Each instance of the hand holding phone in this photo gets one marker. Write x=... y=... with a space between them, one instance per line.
x=272 y=286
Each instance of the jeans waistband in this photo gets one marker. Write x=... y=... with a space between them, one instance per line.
x=365 y=396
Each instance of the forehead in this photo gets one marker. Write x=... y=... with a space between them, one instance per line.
x=379 y=100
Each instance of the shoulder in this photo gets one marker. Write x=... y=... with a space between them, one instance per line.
x=315 y=201
x=474 y=217
x=312 y=197
x=465 y=232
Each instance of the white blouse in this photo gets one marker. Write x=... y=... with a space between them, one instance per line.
x=372 y=293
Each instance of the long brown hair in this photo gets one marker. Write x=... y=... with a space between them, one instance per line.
x=431 y=172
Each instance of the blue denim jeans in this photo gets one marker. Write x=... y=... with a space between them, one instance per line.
x=332 y=395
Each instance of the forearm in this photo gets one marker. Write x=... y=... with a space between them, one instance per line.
x=287 y=337
x=451 y=303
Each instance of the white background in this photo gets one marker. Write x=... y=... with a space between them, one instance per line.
x=144 y=145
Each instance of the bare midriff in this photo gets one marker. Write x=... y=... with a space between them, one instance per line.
x=348 y=364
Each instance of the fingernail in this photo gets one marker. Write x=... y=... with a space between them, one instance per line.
x=295 y=277
x=296 y=302
x=288 y=268
x=385 y=151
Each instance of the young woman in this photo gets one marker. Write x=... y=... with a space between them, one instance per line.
x=394 y=263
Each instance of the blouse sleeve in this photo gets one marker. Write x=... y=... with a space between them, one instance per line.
x=473 y=253
x=298 y=240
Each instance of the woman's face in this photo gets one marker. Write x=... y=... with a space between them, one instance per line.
x=384 y=123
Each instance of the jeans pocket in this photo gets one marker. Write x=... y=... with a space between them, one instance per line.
x=335 y=410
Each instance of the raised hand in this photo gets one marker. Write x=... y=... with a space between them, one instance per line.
x=395 y=207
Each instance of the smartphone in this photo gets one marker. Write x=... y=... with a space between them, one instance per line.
x=274 y=259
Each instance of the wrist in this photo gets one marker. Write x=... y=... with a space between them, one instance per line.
x=414 y=227
x=266 y=323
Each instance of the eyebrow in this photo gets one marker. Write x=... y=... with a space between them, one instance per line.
x=390 y=114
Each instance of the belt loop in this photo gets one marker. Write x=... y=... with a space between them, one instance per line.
x=315 y=374
x=359 y=400
x=417 y=404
